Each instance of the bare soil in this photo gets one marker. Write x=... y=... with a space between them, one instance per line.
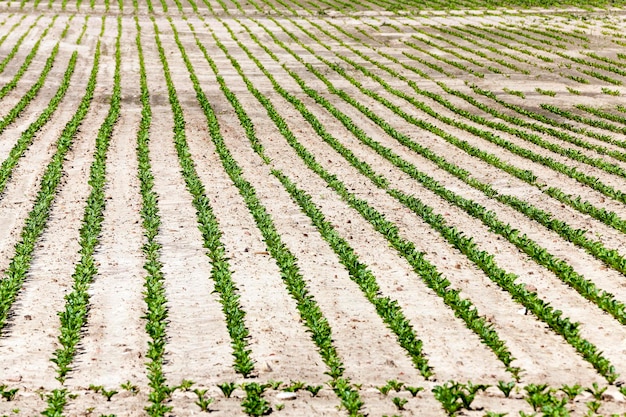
x=114 y=343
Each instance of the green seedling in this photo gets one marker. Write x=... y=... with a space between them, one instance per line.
x=610 y=92
x=185 y=385
x=572 y=391
x=314 y=389
x=200 y=392
x=279 y=406
x=515 y=92
x=395 y=385
x=294 y=387
x=384 y=389
x=95 y=388
x=254 y=404
x=506 y=387
x=227 y=388
x=545 y=92
x=203 y=402
x=413 y=390
x=275 y=385
x=108 y=394
x=594 y=406
x=9 y=394
x=56 y=402
x=537 y=395
x=596 y=391
x=130 y=387
x=399 y=402
x=542 y=399
x=454 y=396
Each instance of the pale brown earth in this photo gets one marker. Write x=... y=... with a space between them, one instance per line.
x=113 y=346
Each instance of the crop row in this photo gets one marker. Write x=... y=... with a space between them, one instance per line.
x=529 y=298
x=569 y=268
x=585 y=347
x=309 y=310
x=35 y=223
x=367 y=75
x=74 y=316
x=407 y=6
x=209 y=228
x=611 y=257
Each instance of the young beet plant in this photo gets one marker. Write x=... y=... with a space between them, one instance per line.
x=455 y=396
x=254 y=404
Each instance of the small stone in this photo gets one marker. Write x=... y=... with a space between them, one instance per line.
x=608 y=396
x=530 y=288
x=286 y=396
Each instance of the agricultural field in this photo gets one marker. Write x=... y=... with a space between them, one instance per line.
x=313 y=208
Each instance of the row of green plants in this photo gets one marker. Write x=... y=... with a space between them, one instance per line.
x=463 y=308
x=37 y=217
x=535 y=139
x=4 y=22
x=209 y=228
x=387 y=308
x=603 y=215
x=481 y=30
x=496 y=41
x=596 y=248
x=538 y=127
x=287 y=262
x=484 y=260
x=438 y=57
x=601 y=124
x=498 y=51
x=208 y=225
x=17 y=45
x=10 y=86
x=564 y=271
x=602 y=114
x=74 y=317
x=505 y=32
x=154 y=294
x=14 y=27
x=523 y=32
x=538 y=45
x=412 y=7
x=26 y=138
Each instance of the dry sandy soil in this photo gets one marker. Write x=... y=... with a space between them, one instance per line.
x=113 y=345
